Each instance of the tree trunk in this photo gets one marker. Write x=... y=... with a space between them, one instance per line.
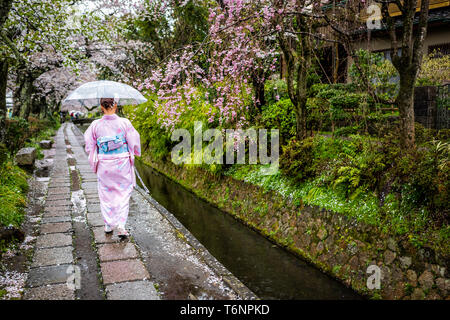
x=17 y=94
x=27 y=96
x=405 y=102
x=5 y=7
x=22 y=95
x=409 y=61
x=301 y=117
x=3 y=82
x=258 y=86
x=43 y=110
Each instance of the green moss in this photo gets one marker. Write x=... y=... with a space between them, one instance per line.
x=3 y=292
x=391 y=218
x=336 y=269
x=364 y=207
x=13 y=189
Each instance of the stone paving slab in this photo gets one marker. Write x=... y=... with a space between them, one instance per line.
x=93 y=200
x=59 y=185
x=123 y=270
x=57 y=203
x=61 y=196
x=60 y=180
x=50 y=292
x=136 y=290
x=57 y=208
x=117 y=251
x=89 y=193
x=56 y=227
x=52 y=256
x=89 y=185
x=54 y=240
x=101 y=237
x=92 y=189
x=84 y=167
x=53 y=191
x=56 y=219
x=48 y=275
x=93 y=208
x=88 y=177
x=95 y=219
x=57 y=212
x=92 y=196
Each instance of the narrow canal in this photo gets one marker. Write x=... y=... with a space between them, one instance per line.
x=268 y=270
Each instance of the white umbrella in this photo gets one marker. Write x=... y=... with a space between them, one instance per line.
x=89 y=94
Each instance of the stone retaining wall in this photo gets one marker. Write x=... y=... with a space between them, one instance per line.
x=337 y=244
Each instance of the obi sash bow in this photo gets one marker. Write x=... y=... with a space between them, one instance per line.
x=112 y=144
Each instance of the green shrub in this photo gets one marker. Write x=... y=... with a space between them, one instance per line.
x=423 y=178
x=434 y=70
x=153 y=139
x=17 y=132
x=373 y=67
x=297 y=159
x=3 y=153
x=353 y=165
x=20 y=132
x=346 y=131
x=280 y=115
x=275 y=90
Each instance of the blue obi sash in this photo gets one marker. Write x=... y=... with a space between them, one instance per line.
x=112 y=144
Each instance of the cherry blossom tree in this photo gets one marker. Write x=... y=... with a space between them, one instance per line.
x=5 y=7
x=43 y=39
x=220 y=70
x=242 y=49
x=36 y=37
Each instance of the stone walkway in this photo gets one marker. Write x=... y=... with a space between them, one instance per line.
x=74 y=259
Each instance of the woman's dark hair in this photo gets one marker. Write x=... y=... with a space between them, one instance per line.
x=107 y=103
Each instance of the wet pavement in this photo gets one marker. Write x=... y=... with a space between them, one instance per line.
x=74 y=259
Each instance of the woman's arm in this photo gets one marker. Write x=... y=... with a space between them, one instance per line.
x=89 y=139
x=133 y=140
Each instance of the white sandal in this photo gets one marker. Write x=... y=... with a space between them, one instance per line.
x=108 y=229
x=122 y=233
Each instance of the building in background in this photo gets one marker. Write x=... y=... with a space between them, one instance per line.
x=438 y=34
x=335 y=60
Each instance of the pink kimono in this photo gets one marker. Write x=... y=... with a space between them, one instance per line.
x=112 y=142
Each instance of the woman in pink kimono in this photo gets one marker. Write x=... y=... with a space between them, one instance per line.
x=112 y=142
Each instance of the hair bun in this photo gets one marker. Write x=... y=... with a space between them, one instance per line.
x=107 y=103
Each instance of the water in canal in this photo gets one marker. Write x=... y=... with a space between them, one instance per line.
x=268 y=270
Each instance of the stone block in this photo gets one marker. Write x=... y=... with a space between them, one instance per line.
x=101 y=237
x=48 y=275
x=43 y=167
x=53 y=240
x=426 y=280
x=55 y=227
x=123 y=270
x=53 y=256
x=26 y=156
x=51 y=292
x=95 y=219
x=46 y=144
x=117 y=251
x=136 y=290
